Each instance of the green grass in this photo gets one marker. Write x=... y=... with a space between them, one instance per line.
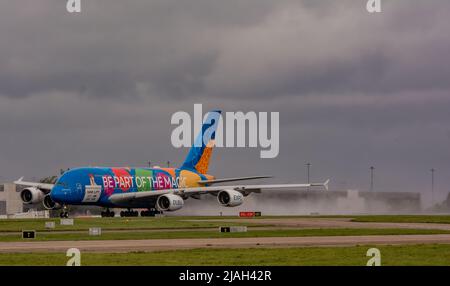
x=145 y=223
x=403 y=218
x=434 y=254
x=15 y=225
x=48 y=236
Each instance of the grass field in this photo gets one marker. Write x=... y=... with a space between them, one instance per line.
x=206 y=227
x=404 y=218
x=189 y=227
x=139 y=223
x=335 y=256
x=46 y=236
x=17 y=225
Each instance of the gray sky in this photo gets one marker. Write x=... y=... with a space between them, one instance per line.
x=353 y=89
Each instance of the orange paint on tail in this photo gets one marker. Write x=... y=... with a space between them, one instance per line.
x=203 y=163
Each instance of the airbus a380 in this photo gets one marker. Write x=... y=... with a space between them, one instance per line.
x=163 y=189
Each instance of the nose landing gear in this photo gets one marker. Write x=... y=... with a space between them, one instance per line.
x=64 y=212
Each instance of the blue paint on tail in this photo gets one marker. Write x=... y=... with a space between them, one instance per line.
x=207 y=134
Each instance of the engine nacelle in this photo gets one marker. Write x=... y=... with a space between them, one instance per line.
x=169 y=203
x=32 y=195
x=49 y=204
x=230 y=198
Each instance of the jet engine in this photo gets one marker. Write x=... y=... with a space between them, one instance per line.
x=49 y=204
x=32 y=195
x=230 y=198
x=169 y=202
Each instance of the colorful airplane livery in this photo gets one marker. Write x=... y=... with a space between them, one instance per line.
x=160 y=189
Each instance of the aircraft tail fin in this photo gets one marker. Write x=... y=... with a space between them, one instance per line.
x=200 y=154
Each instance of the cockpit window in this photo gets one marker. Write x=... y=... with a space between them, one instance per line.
x=61 y=181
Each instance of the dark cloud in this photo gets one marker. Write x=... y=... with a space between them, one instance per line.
x=346 y=50
x=111 y=47
x=353 y=89
x=233 y=48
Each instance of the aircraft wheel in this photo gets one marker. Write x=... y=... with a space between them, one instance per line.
x=107 y=213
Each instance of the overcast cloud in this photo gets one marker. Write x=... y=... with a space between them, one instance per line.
x=353 y=89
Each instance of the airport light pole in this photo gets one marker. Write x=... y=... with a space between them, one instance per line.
x=371 y=178
x=308 y=165
x=432 y=185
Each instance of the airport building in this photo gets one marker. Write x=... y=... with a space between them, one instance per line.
x=10 y=202
x=304 y=202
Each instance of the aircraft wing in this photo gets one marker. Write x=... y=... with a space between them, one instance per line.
x=127 y=197
x=41 y=186
x=215 y=181
x=187 y=192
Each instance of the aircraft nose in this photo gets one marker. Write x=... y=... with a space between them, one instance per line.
x=57 y=195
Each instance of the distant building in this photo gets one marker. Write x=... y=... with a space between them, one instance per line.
x=10 y=202
x=303 y=202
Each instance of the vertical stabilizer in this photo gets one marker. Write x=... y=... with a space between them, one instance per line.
x=200 y=154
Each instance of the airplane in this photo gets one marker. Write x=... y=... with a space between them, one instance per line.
x=155 y=189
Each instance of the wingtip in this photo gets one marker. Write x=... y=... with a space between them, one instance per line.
x=326 y=184
x=19 y=180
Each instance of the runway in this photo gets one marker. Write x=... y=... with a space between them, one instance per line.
x=255 y=224
x=333 y=223
x=176 y=244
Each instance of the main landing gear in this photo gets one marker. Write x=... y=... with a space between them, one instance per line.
x=151 y=212
x=108 y=213
x=129 y=213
